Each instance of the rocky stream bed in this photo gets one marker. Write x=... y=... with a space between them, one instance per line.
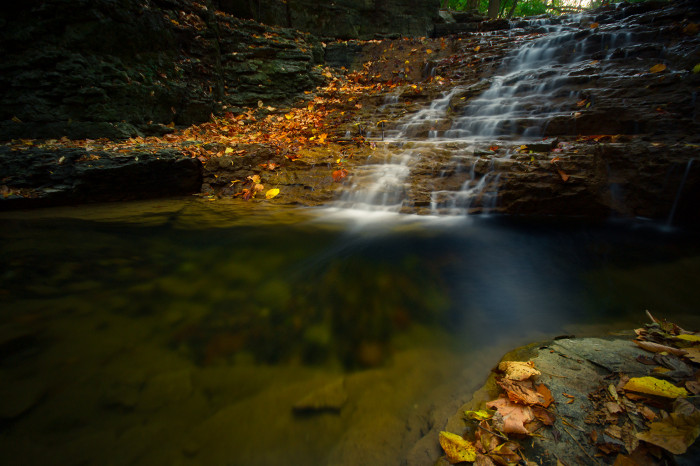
x=613 y=133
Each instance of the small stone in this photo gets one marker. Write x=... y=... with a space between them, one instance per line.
x=331 y=397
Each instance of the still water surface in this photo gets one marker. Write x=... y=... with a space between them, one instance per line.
x=186 y=332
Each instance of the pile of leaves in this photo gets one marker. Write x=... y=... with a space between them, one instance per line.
x=521 y=410
x=641 y=418
x=635 y=420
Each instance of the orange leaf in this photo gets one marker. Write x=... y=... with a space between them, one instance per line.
x=338 y=175
x=546 y=394
x=657 y=68
x=563 y=175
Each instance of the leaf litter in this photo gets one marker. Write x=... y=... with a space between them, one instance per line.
x=638 y=420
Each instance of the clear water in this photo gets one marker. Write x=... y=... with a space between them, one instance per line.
x=185 y=332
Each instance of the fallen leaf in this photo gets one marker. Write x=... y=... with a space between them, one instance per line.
x=456 y=448
x=564 y=176
x=228 y=150
x=657 y=68
x=546 y=394
x=613 y=408
x=518 y=370
x=688 y=337
x=696 y=68
x=511 y=417
x=648 y=414
x=674 y=433
x=657 y=348
x=272 y=193
x=546 y=417
x=339 y=174
x=570 y=397
x=594 y=25
x=624 y=460
x=693 y=354
x=480 y=415
x=521 y=392
x=653 y=386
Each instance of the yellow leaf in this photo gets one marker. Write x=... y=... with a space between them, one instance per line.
x=654 y=386
x=688 y=337
x=480 y=415
x=657 y=68
x=696 y=68
x=228 y=150
x=428 y=51
x=272 y=193
x=456 y=448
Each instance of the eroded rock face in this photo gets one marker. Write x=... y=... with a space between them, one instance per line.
x=342 y=19
x=45 y=177
x=90 y=69
x=598 y=119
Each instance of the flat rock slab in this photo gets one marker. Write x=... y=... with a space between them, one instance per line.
x=577 y=367
x=571 y=368
x=37 y=177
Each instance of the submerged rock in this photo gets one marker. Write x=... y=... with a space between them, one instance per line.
x=331 y=397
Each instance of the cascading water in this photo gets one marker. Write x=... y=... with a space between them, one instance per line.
x=535 y=84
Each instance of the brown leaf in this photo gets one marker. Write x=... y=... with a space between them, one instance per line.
x=675 y=433
x=624 y=460
x=484 y=460
x=518 y=370
x=657 y=348
x=613 y=407
x=511 y=417
x=522 y=392
x=546 y=394
x=546 y=417
x=648 y=414
x=693 y=354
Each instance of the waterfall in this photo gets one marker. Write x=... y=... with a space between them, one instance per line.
x=535 y=83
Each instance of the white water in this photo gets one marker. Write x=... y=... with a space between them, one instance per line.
x=536 y=83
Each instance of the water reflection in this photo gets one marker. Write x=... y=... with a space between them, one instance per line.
x=183 y=332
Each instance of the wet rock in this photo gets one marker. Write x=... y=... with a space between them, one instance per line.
x=331 y=397
x=46 y=177
x=575 y=367
x=343 y=20
x=100 y=69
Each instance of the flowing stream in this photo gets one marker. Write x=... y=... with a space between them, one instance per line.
x=186 y=332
